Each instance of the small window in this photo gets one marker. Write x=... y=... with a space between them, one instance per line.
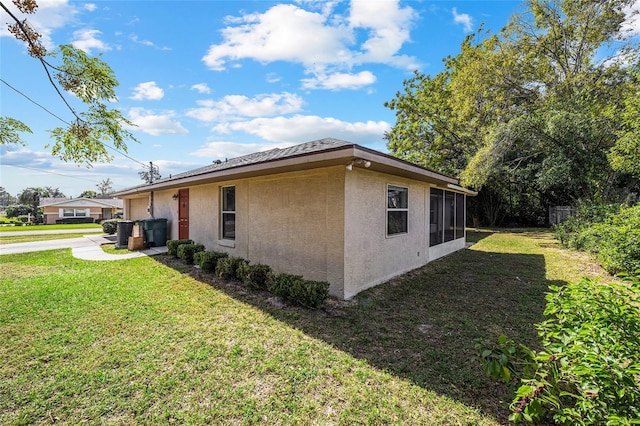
x=228 y=213
x=68 y=212
x=397 y=210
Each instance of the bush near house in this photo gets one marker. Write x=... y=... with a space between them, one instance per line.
x=611 y=233
x=587 y=372
x=307 y=293
x=110 y=226
x=187 y=251
x=227 y=267
x=256 y=276
x=208 y=260
x=172 y=245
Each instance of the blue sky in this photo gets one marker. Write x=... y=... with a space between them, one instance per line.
x=208 y=80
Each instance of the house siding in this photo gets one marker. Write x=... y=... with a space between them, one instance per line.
x=372 y=257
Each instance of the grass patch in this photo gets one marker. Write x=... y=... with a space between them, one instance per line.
x=34 y=238
x=149 y=340
x=49 y=227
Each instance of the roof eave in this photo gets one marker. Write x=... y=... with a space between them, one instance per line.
x=332 y=157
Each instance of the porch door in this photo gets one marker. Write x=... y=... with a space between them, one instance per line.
x=183 y=214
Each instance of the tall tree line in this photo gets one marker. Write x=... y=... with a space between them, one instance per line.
x=546 y=112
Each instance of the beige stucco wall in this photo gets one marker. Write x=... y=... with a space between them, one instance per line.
x=136 y=208
x=325 y=224
x=372 y=257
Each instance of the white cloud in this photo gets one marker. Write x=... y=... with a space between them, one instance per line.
x=233 y=106
x=156 y=124
x=339 y=81
x=134 y=38
x=87 y=39
x=631 y=26
x=464 y=19
x=90 y=7
x=201 y=88
x=147 y=91
x=308 y=127
x=220 y=150
x=318 y=41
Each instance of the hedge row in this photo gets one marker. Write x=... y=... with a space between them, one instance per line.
x=291 y=287
x=611 y=233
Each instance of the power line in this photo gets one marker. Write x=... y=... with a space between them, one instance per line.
x=53 y=173
x=68 y=124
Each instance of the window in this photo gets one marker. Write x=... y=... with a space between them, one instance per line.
x=397 y=210
x=446 y=219
x=74 y=212
x=228 y=213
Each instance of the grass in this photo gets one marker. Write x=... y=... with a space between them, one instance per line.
x=150 y=340
x=33 y=238
x=49 y=227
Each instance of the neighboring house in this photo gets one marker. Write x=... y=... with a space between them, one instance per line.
x=329 y=210
x=58 y=210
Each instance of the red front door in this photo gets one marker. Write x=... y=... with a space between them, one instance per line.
x=183 y=214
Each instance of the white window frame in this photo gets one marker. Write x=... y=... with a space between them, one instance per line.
x=226 y=212
x=395 y=209
x=74 y=212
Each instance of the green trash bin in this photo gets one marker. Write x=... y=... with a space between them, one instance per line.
x=155 y=232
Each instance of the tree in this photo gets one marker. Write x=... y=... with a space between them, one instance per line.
x=151 y=175
x=625 y=154
x=105 y=186
x=90 y=80
x=16 y=210
x=89 y=194
x=529 y=113
x=6 y=198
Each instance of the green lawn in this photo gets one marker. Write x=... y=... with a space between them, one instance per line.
x=48 y=227
x=33 y=238
x=149 y=340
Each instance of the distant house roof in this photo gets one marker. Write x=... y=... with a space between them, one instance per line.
x=318 y=153
x=81 y=202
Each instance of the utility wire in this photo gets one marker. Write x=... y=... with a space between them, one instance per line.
x=68 y=124
x=54 y=173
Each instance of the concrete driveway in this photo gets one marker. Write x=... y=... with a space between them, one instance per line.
x=86 y=247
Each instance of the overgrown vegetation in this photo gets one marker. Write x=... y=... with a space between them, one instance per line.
x=610 y=232
x=110 y=226
x=587 y=371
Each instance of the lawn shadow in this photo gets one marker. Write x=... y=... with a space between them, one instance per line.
x=423 y=325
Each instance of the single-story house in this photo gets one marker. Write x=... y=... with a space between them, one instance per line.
x=328 y=210
x=57 y=210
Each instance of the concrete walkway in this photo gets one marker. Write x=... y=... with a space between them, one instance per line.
x=51 y=232
x=86 y=248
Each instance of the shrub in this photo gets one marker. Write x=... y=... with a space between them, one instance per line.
x=255 y=276
x=295 y=288
x=187 y=251
x=587 y=372
x=207 y=260
x=227 y=267
x=610 y=233
x=110 y=226
x=172 y=245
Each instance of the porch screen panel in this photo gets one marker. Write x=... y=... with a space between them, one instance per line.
x=449 y=215
x=460 y=209
x=436 y=219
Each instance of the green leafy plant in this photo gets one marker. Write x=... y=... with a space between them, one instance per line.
x=256 y=276
x=187 y=251
x=227 y=267
x=588 y=371
x=307 y=293
x=172 y=245
x=110 y=226
x=207 y=260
